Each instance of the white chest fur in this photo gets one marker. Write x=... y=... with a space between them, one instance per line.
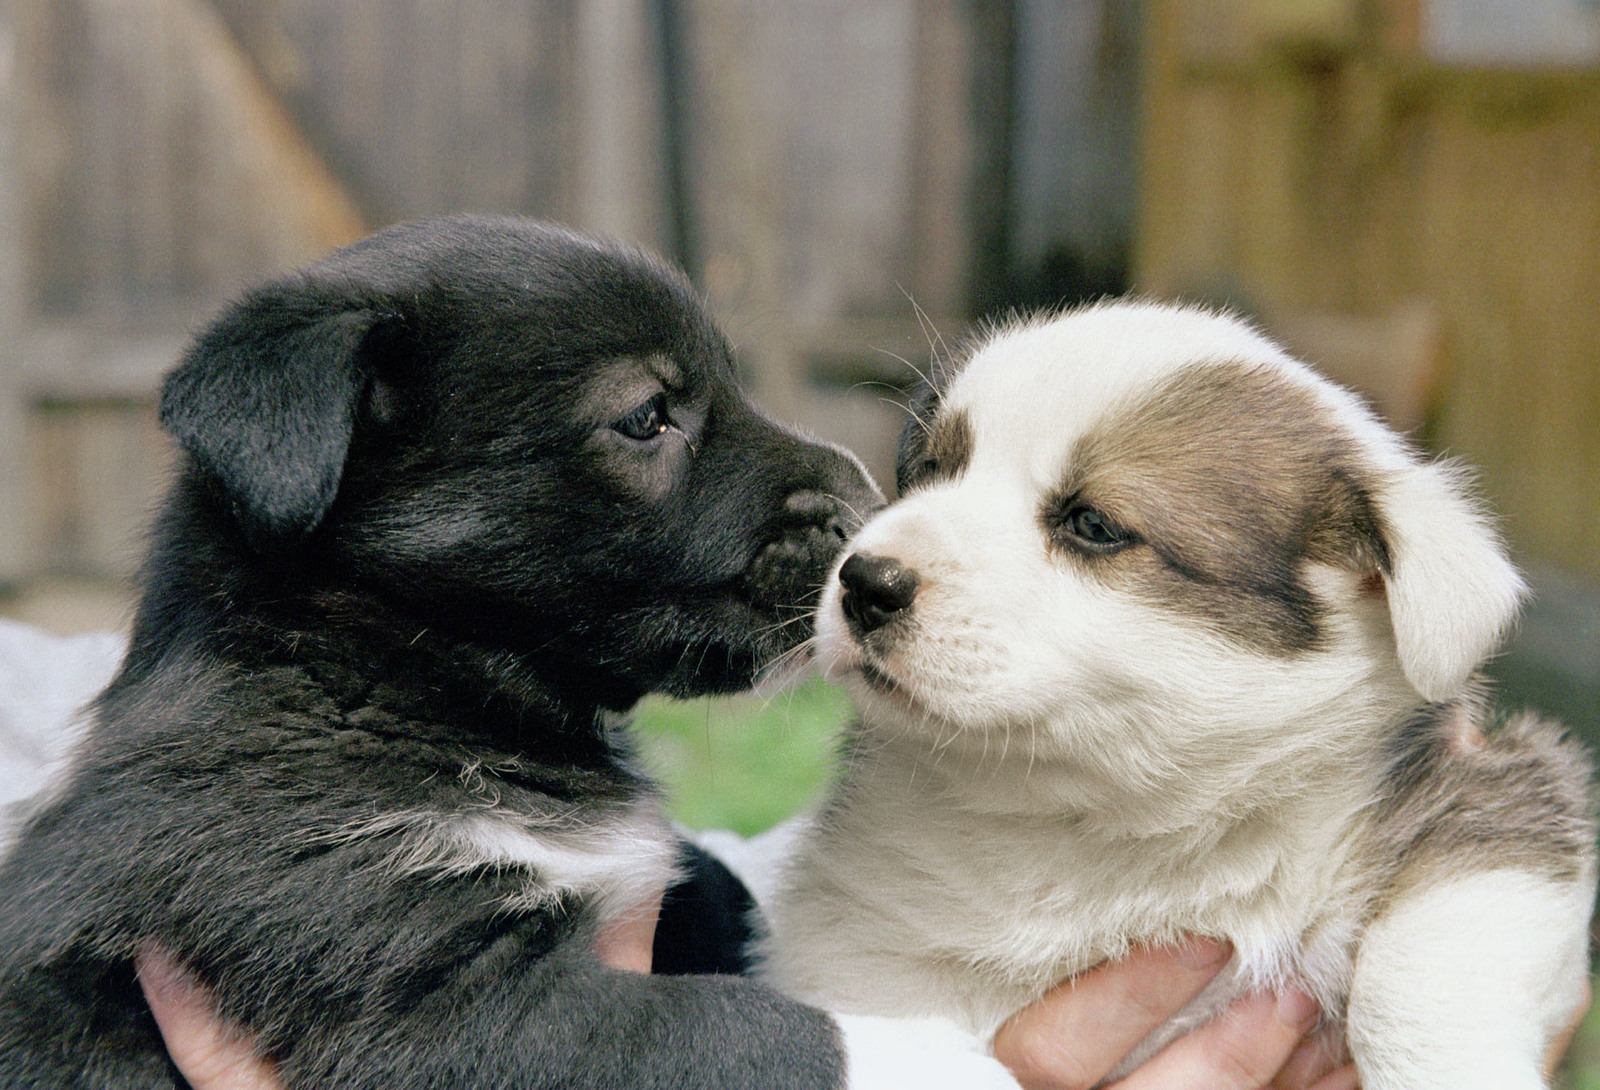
x=903 y=903
x=615 y=862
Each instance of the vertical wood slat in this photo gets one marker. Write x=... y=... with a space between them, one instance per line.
x=96 y=474
x=427 y=106
x=1514 y=185
x=942 y=184
x=156 y=165
x=14 y=543
x=618 y=159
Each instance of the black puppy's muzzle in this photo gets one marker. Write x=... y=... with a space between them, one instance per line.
x=811 y=532
x=876 y=591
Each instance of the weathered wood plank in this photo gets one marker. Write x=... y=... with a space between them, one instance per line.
x=426 y=106
x=14 y=545
x=1354 y=182
x=155 y=163
x=97 y=474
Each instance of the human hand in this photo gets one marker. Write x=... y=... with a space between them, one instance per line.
x=1069 y=1040
x=209 y=1053
x=213 y=1055
x=1078 y=1033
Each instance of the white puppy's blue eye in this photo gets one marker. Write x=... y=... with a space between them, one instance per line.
x=647 y=421
x=1094 y=529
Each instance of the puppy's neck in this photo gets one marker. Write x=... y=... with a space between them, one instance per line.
x=1161 y=818
x=1038 y=872
x=1125 y=776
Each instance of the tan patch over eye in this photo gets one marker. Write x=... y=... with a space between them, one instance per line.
x=944 y=453
x=1236 y=479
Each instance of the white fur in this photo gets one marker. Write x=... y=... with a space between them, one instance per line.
x=618 y=864
x=619 y=867
x=1464 y=984
x=1452 y=596
x=1064 y=770
x=45 y=682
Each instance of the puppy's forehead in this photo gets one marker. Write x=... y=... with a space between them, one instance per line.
x=1039 y=387
x=1231 y=464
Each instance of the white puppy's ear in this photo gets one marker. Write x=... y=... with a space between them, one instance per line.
x=1452 y=591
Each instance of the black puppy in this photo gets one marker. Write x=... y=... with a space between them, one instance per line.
x=452 y=499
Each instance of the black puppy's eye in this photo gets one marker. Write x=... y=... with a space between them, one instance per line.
x=1093 y=530
x=647 y=421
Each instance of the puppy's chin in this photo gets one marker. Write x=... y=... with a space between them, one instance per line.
x=875 y=687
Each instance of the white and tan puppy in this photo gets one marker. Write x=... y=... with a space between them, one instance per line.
x=1168 y=634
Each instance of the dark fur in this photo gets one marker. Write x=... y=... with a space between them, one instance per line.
x=705 y=921
x=407 y=566
x=1515 y=794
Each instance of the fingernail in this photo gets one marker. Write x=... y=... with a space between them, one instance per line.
x=1297 y=1009
x=1197 y=952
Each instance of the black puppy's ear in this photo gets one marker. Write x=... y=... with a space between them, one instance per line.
x=266 y=401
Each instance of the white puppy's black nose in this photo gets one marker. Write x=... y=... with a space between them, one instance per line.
x=876 y=590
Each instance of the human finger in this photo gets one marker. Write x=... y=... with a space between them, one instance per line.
x=1314 y=1058
x=629 y=942
x=1343 y=1079
x=1076 y=1034
x=1241 y=1049
x=209 y=1054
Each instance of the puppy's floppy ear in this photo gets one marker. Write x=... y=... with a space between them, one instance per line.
x=265 y=401
x=1452 y=591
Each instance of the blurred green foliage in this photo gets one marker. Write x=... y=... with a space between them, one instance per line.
x=1581 y=1069
x=743 y=763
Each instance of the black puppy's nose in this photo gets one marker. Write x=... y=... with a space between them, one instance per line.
x=808 y=510
x=808 y=535
x=876 y=589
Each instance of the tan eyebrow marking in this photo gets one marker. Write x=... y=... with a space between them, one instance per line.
x=1236 y=479
x=950 y=442
x=945 y=449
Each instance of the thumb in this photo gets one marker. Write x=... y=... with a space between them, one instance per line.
x=209 y=1054
x=628 y=942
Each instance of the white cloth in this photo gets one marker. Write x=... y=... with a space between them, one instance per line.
x=45 y=681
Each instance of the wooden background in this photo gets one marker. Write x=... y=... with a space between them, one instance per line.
x=1429 y=232
x=1333 y=167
